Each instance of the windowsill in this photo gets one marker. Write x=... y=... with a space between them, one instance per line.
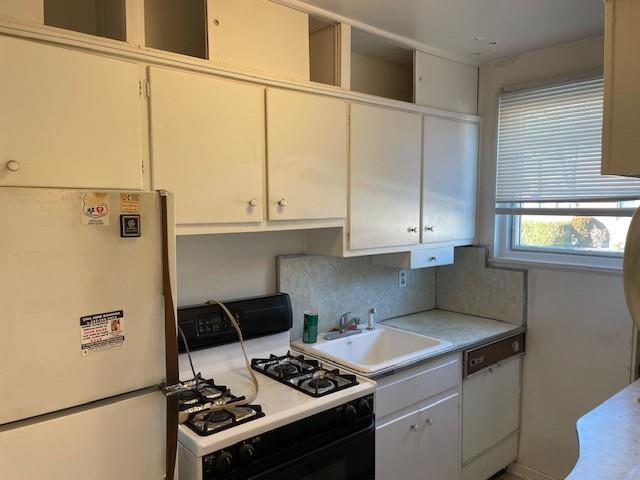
x=591 y=265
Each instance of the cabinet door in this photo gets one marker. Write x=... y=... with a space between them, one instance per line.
x=306 y=156
x=384 y=178
x=491 y=407
x=621 y=125
x=440 y=449
x=398 y=452
x=207 y=141
x=68 y=118
x=445 y=84
x=260 y=35
x=449 y=180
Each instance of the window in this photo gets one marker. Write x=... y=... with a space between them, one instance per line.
x=551 y=200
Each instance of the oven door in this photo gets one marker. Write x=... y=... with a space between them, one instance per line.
x=349 y=458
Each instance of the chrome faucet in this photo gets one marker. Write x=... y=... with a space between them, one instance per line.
x=343 y=327
x=345 y=322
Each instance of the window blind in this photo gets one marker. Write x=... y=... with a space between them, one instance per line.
x=550 y=146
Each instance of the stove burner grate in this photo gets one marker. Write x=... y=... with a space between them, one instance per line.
x=307 y=376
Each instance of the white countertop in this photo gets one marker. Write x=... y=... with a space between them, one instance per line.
x=461 y=330
x=609 y=438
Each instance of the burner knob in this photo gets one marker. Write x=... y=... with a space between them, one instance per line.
x=350 y=413
x=246 y=453
x=364 y=407
x=223 y=462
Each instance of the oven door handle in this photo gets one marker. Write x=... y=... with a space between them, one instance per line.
x=368 y=430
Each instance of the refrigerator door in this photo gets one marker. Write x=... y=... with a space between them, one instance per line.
x=121 y=439
x=631 y=268
x=81 y=308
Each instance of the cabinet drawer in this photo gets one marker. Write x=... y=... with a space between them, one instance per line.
x=416 y=384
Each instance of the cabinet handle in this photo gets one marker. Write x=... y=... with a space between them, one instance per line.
x=283 y=202
x=253 y=202
x=13 y=165
x=429 y=228
x=433 y=258
x=429 y=421
x=415 y=427
x=412 y=230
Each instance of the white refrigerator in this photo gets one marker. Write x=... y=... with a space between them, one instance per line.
x=82 y=334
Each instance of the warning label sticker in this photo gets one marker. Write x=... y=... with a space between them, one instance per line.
x=130 y=203
x=102 y=331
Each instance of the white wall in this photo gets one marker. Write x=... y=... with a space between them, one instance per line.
x=579 y=330
x=231 y=266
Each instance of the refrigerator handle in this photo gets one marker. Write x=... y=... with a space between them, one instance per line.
x=171 y=345
x=631 y=268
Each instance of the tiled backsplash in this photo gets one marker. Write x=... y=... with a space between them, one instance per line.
x=332 y=286
x=471 y=286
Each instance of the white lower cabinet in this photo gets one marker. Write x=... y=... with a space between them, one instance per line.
x=418 y=433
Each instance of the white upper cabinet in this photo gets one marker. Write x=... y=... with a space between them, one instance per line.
x=384 y=177
x=621 y=134
x=260 y=35
x=207 y=144
x=449 y=181
x=68 y=118
x=445 y=84
x=306 y=156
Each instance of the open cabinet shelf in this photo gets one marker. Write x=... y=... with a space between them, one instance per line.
x=176 y=26
x=324 y=51
x=380 y=67
x=102 y=18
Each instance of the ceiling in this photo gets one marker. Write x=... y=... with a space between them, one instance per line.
x=467 y=28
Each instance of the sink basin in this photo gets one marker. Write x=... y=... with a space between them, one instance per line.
x=372 y=352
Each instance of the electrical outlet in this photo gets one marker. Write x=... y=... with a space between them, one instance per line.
x=402 y=278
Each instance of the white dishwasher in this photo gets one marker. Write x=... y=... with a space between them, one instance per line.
x=491 y=407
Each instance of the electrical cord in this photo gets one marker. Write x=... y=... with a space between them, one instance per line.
x=242 y=400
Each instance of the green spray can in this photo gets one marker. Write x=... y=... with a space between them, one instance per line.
x=310 y=328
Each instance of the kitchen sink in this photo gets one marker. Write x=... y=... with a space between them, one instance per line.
x=374 y=351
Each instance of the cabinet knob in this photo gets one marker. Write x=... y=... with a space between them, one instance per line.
x=282 y=202
x=429 y=228
x=415 y=427
x=412 y=230
x=253 y=202
x=429 y=421
x=433 y=258
x=13 y=165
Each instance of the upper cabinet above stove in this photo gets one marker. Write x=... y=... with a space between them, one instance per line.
x=621 y=134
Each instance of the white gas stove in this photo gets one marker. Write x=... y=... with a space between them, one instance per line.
x=303 y=420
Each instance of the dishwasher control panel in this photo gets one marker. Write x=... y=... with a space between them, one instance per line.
x=479 y=358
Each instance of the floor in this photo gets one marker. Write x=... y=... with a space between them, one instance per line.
x=507 y=476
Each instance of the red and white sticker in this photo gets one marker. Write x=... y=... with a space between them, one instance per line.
x=95 y=209
x=102 y=331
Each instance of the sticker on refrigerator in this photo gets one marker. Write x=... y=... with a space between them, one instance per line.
x=130 y=203
x=102 y=331
x=95 y=209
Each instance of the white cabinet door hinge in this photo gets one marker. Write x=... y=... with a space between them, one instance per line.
x=142 y=165
x=144 y=88
x=348 y=119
